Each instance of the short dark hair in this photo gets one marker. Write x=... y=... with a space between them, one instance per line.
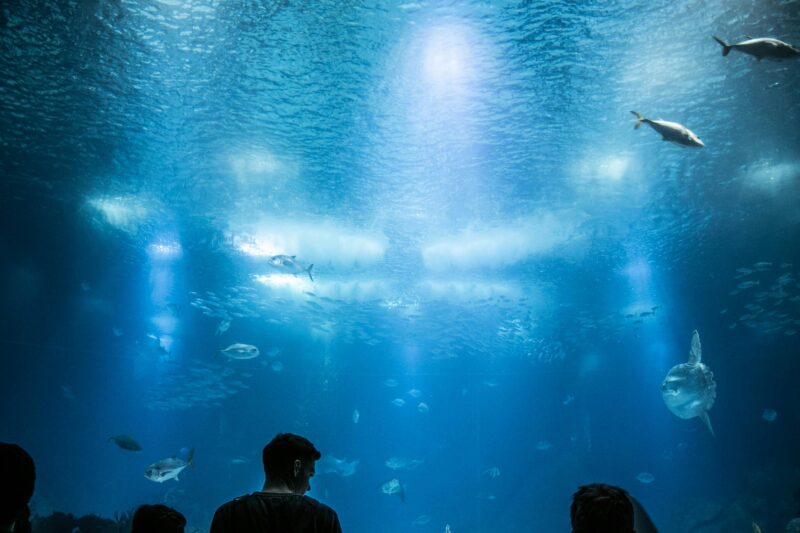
x=280 y=453
x=17 y=480
x=157 y=519
x=600 y=508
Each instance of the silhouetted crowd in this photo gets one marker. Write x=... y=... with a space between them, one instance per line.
x=282 y=505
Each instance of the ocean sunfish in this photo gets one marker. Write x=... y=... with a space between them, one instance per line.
x=689 y=389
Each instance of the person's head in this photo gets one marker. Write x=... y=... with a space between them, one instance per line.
x=599 y=508
x=290 y=458
x=17 y=479
x=157 y=519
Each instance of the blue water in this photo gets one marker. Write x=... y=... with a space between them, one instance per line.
x=485 y=225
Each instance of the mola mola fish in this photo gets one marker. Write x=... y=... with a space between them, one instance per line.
x=689 y=389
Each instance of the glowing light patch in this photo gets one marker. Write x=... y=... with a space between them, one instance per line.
x=125 y=213
x=444 y=59
x=322 y=243
x=638 y=272
x=497 y=247
x=285 y=283
x=165 y=322
x=771 y=177
x=464 y=290
x=254 y=164
x=164 y=250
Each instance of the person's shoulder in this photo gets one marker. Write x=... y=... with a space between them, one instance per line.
x=228 y=505
x=319 y=505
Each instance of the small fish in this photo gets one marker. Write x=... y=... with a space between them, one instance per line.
x=422 y=407
x=415 y=393
x=116 y=331
x=390 y=382
x=421 y=520
x=770 y=415
x=356 y=416
x=290 y=265
x=748 y=284
x=493 y=472
x=645 y=477
x=763 y=265
x=670 y=131
x=126 y=443
x=403 y=463
x=273 y=352
x=543 y=445
x=398 y=402
x=223 y=326
x=569 y=399
x=85 y=286
x=241 y=351
x=761 y=48
x=393 y=486
x=168 y=468
x=277 y=366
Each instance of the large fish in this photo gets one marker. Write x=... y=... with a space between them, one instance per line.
x=333 y=465
x=241 y=351
x=168 y=468
x=762 y=48
x=689 y=389
x=290 y=265
x=126 y=443
x=670 y=131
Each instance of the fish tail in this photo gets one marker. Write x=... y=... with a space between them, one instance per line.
x=639 y=120
x=309 y=271
x=726 y=48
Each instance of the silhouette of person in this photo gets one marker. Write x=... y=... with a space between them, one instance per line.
x=281 y=506
x=157 y=519
x=17 y=479
x=600 y=508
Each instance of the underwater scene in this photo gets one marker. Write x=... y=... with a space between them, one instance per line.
x=479 y=253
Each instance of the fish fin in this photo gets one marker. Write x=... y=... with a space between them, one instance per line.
x=309 y=271
x=190 y=458
x=176 y=478
x=696 y=352
x=726 y=48
x=639 y=120
x=707 y=421
x=756 y=528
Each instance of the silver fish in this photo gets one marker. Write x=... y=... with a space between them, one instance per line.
x=762 y=48
x=670 y=131
x=290 y=265
x=689 y=389
x=393 y=486
x=241 y=351
x=168 y=468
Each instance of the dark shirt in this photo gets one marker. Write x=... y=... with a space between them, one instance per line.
x=265 y=512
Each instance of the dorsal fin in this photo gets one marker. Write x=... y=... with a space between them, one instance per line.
x=696 y=353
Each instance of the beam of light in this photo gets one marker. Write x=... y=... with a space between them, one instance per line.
x=344 y=290
x=127 y=213
x=166 y=250
x=770 y=177
x=502 y=246
x=255 y=165
x=468 y=290
x=326 y=242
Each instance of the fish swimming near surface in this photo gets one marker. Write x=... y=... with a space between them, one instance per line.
x=761 y=48
x=126 y=443
x=689 y=389
x=168 y=468
x=393 y=486
x=241 y=351
x=290 y=265
x=670 y=131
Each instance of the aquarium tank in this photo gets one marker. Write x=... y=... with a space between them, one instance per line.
x=479 y=253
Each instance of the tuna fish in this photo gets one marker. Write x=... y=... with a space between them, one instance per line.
x=670 y=131
x=168 y=468
x=290 y=265
x=762 y=48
